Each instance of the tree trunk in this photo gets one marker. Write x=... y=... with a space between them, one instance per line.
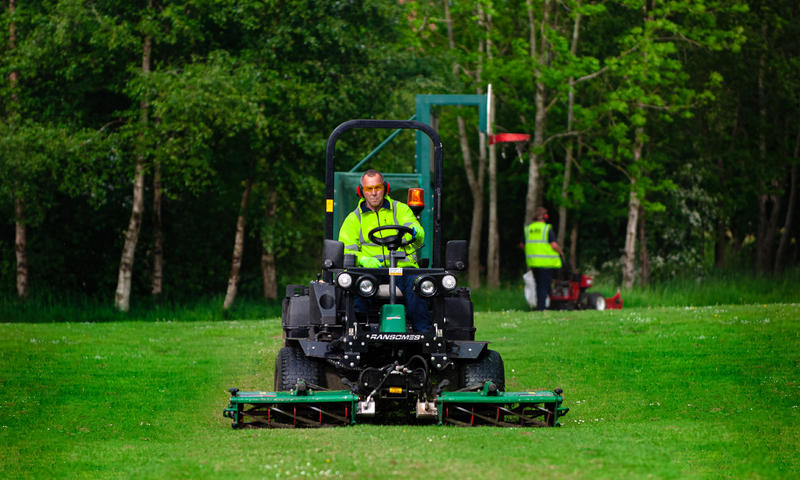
x=238 y=248
x=122 y=296
x=476 y=188
x=788 y=224
x=268 y=275
x=476 y=182
x=493 y=242
x=533 y=198
x=769 y=209
x=644 y=256
x=573 y=245
x=21 y=246
x=720 y=244
x=268 y=267
x=493 y=249
x=20 y=227
x=768 y=204
x=158 y=234
x=629 y=261
x=562 y=208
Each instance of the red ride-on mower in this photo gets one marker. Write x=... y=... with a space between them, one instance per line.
x=569 y=292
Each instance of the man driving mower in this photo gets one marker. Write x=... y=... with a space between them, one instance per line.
x=377 y=209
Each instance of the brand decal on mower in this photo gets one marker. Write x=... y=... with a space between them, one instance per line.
x=402 y=337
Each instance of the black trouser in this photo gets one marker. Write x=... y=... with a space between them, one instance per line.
x=544 y=278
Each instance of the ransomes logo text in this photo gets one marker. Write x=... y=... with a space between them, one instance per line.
x=395 y=337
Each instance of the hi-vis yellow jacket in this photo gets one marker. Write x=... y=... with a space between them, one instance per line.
x=357 y=225
x=538 y=252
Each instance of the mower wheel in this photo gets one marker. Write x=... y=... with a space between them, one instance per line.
x=291 y=365
x=596 y=301
x=489 y=366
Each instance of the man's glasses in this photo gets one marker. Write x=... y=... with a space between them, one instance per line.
x=374 y=188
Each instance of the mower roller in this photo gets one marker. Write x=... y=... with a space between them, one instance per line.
x=339 y=366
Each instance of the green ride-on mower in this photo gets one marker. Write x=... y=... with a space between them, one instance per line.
x=338 y=366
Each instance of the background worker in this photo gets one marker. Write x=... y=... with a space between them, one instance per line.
x=542 y=255
x=376 y=209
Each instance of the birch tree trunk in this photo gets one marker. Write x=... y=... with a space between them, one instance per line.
x=21 y=246
x=475 y=181
x=629 y=260
x=122 y=297
x=158 y=234
x=533 y=198
x=493 y=249
x=568 y=159
x=238 y=248
x=20 y=226
x=268 y=268
x=493 y=242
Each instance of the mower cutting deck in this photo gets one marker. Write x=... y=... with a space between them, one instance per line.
x=301 y=407
x=306 y=408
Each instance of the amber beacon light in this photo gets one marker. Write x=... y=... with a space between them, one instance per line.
x=416 y=200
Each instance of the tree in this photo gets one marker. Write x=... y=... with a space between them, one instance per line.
x=650 y=82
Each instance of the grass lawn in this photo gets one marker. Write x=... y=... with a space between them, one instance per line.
x=678 y=392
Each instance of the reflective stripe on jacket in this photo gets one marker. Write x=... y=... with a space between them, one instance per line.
x=356 y=227
x=538 y=252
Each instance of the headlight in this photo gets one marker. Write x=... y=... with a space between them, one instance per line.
x=449 y=282
x=367 y=286
x=344 y=280
x=426 y=286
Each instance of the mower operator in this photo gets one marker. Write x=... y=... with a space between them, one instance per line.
x=376 y=209
x=542 y=254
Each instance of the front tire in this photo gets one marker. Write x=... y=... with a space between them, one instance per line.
x=292 y=365
x=489 y=366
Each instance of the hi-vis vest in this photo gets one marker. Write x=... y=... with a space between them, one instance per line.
x=356 y=227
x=538 y=252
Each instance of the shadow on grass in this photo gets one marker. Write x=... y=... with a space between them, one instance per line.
x=50 y=309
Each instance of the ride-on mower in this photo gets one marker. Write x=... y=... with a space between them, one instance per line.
x=569 y=292
x=338 y=366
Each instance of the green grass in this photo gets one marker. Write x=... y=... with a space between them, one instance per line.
x=719 y=288
x=681 y=392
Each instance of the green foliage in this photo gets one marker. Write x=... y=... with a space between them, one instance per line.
x=250 y=90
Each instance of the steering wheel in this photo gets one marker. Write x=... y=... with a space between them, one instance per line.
x=392 y=242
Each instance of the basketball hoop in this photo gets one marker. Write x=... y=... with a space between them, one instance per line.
x=520 y=140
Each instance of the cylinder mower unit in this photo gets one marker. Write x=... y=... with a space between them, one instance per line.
x=340 y=365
